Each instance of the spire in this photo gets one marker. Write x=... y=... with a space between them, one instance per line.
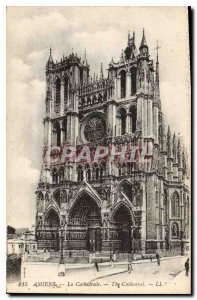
x=85 y=59
x=101 y=72
x=157 y=62
x=169 y=132
x=143 y=42
x=122 y=57
x=128 y=36
x=134 y=36
x=157 y=89
x=50 y=62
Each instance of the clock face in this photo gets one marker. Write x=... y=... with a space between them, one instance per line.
x=95 y=129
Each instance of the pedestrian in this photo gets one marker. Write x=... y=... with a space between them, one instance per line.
x=158 y=259
x=187 y=267
x=96 y=265
x=129 y=267
x=70 y=254
x=151 y=259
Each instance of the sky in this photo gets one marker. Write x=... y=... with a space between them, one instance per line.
x=102 y=32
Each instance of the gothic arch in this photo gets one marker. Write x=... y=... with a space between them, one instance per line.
x=121 y=120
x=56 y=134
x=122 y=221
x=52 y=217
x=88 y=172
x=175 y=205
x=84 y=194
x=133 y=117
x=133 y=72
x=57 y=94
x=79 y=173
x=122 y=83
x=118 y=205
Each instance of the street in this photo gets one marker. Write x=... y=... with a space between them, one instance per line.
x=145 y=277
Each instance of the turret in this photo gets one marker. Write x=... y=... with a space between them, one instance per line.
x=131 y=51
x=50 y=63
x=143 y=46
x=157 y=87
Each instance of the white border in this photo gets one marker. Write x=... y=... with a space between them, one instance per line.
x=3 y=4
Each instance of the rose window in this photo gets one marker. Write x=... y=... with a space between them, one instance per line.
x=95 y=129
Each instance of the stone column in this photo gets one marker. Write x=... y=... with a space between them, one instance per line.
x=111 y=116
x=62 y=134
x=129 y=123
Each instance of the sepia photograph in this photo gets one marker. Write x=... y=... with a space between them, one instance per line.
x=98 y=150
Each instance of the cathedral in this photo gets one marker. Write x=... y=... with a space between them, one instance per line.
x=119 y=205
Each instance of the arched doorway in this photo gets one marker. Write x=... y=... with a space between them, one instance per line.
x=51 y=233
x=122 y=223
x=84 y=225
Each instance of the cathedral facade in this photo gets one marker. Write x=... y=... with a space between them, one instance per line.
x=123 y=205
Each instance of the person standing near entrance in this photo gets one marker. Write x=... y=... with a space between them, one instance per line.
x=187 y=267
x=96 y=265
x=158 y=259
x=130 y=267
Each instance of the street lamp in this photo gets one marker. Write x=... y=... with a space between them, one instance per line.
x=61 y=246
x=61 y=271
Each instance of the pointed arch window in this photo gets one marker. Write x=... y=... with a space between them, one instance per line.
x=175 y=206
x=64 y=129
x=133 y=118
x=102 y=169
x=122 y=121
x=88 y=172
x=57 y=95
x=65 y=91
x=123 y=83
x=165 y=207
x=133 y=81
x=79 y=173
x=56 y=134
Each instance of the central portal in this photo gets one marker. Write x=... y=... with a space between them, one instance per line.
x=84 y=227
